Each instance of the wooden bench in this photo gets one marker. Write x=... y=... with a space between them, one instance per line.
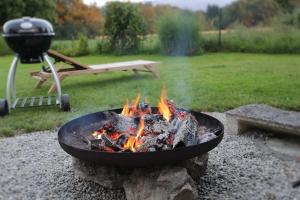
x=78 y=69
x=263 y=117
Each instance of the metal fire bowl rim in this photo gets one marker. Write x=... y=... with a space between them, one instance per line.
x=97 y=156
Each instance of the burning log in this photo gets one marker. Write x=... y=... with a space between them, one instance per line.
x=186 y=132
x=151 y=142
x=138 y=129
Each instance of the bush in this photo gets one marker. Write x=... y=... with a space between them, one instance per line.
x=281 y=39
x=71 y=30
x=124 y=26
x=150 y=45
x=78 y=47
x=103 y=46
x=82 y=47
x=4 y=49
x=179 y=34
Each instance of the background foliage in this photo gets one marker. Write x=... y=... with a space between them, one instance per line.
x=179 y=34
x=18 y=8
x=124 y=27
x=74 y=17
x=267 y=26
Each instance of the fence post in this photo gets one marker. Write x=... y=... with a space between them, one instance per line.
x=220 y=29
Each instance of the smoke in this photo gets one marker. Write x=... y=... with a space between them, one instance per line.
x=182 y=86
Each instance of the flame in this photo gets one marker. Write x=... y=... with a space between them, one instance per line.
x=134 y=142
x=125 y=110
x=141 y=128
x=135 y=109
x=130 y=111
x=130 y=144
x=163 y=105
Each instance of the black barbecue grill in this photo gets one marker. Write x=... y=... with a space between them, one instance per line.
x=30 y=38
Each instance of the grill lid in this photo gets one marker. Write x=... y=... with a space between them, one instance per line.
x=27 y=26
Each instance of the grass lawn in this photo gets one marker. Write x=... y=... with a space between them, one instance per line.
x=212 y=82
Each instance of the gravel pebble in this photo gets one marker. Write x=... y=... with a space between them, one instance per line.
x=238 y=169
x=33 y=166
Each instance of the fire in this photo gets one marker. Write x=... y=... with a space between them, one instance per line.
x=137 y=110
x=130 y=144
x=141 y=128
x=134 y=142
x=163 y=105
x=125 y=110
x=130 y=111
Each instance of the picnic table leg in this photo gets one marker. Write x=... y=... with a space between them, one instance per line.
x=53 y=86
x=135 y=71
x=40 y=83
x=153 y=70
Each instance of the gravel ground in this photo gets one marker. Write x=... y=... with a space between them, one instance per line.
x=33 y=166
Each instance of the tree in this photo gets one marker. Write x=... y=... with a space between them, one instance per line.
x=179 y=34
x=33 y=8
x=124 y=26
x=212 y=11
x=74 y=17
x=149 y=14
x=249 y=13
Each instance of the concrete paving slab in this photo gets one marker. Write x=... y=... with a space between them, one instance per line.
x=263 y=117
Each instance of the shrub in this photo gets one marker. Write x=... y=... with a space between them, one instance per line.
x=124 y=25
x=103 y=46
x=150 y=45
x=4 y=49
x=71 y=30
x=281 y=39
x=82 y=46
x=179 y=34
x=78 y=47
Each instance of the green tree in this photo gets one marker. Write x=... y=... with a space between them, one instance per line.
x=212 y=11
x=284 y=4
x=179 y=34
x=249 y=13
x=33 y=8
x=124 y=26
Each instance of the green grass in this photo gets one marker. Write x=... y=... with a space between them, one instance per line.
x=212 y=82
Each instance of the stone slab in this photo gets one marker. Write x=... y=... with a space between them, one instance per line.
x=263 y=117
x=160 y=182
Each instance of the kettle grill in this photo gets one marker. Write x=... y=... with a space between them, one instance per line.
x=30 y=38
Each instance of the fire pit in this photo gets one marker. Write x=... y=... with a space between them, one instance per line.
x=140 y=136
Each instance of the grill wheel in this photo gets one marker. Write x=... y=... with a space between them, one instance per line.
x=65 y=103
x=3 y=107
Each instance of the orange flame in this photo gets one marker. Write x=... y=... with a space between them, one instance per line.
x=135 y=105
x=134 y=142
x=125 y=110
x=141 y=128
x=130 y=111
x=163 y=105
x=130 y=144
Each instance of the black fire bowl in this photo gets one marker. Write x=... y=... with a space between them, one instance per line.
x=70 y=139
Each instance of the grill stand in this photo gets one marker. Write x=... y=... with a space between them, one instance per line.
x=11 y=98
